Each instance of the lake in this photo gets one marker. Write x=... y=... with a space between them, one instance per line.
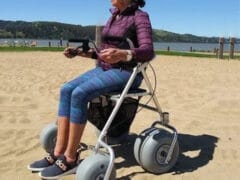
x=175 y=46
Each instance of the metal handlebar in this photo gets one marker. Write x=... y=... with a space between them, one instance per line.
x=85 y=42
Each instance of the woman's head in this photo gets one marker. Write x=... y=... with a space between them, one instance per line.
x=122 y=4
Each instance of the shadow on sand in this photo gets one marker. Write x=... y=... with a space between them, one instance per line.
x=204 y=145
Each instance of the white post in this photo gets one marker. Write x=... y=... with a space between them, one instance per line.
x=98 y=35
x=231 y=50
x=220 y=52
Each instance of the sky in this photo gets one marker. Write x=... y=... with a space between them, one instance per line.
x=198 y=17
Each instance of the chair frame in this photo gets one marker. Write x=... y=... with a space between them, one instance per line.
x=140 y=68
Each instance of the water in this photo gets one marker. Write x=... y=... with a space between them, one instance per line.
x=179 y=46
x=175 y=46
x=28 y=42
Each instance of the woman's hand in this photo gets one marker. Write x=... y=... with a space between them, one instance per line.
x=71 y=52
x=113 y=55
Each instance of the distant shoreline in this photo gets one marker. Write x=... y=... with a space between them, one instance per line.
x=172 y=46
x=198 y=54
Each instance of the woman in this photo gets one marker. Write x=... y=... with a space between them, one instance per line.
x=112 y=72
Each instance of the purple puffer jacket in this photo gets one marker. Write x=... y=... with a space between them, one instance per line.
x=134 y=24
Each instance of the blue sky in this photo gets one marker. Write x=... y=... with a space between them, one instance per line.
x=198 y=17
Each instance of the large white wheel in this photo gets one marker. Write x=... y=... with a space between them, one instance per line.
x=48 y=137
x=94 y=167
x=153 y=149
x=138 y=143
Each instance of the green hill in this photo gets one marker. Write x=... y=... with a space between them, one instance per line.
x=56 y=30
x=44 y=30
x=166 y=36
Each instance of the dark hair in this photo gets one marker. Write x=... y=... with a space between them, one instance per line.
x=140 y=3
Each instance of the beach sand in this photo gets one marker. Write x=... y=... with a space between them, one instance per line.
x=202 y=96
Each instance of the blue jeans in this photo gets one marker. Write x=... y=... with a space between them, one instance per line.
x=76 y=94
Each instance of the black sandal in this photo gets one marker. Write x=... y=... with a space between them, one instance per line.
x=60 y=168
x=39 y=165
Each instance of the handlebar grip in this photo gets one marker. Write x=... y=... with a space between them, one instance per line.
x=85 y=44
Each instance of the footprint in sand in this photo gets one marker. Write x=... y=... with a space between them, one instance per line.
x=26 y=99
x=24 y=120
x=3 y=99
x=14 y=99
x=32 y=106
x=12 y=120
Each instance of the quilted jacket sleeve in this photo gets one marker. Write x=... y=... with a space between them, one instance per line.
x=144 y=52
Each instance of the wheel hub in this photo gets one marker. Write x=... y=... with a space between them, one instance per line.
x=162 y=153
x=100 y=177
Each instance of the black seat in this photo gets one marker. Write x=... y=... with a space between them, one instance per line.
x=131 y=91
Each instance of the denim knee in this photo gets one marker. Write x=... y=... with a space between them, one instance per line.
x=78 y=106
x=65 y=100
x=77 y=96
x=66 y=90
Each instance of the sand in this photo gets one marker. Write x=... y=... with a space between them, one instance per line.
x=202 y=96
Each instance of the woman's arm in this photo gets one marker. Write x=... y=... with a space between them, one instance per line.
x=145 y=51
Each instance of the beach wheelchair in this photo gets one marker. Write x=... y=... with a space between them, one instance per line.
x=156 y=148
